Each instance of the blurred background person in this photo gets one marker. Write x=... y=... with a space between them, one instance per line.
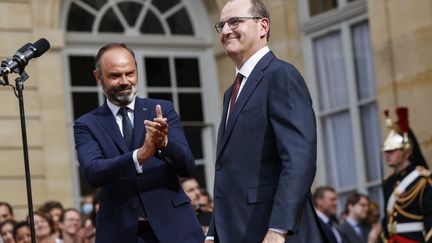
x=192 y=189
x=6 y=212
x=87 y=233
x=87 y=204
x=326 y=201
x=21 y=232
x=6 y=231
x=354 y=229
x=54 y=209
x=205 y=201
x=70 y=224
x=373 y=220
x=44 y=228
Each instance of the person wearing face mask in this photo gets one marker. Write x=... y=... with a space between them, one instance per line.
x=87 y=205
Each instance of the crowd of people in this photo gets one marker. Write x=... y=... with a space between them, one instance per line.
x=53 y=223
x=359 y=221
x=56 y=224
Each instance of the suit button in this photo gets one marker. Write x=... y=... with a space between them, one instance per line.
x=218 y=166
x=135 y=205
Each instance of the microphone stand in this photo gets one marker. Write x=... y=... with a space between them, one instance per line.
x=18 y=90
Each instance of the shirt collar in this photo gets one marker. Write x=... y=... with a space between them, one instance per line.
x=352 y=222
x=250 y=64
x=115 y=108
x=323 y=217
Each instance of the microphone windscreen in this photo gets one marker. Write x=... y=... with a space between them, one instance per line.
x=41 y=46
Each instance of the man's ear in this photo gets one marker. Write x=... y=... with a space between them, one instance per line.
x=265 y=26
x=97 y=76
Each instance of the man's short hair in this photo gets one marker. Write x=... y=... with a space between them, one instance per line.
x=63 y=215
x=354 y=199
x=110 y=46
x=258 y=9
x=319 y=192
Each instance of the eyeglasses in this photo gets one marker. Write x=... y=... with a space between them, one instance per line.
x=232 y=22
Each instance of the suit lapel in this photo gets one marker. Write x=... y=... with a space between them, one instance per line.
x=253 y=80
x=108 y=122
x=141 y=113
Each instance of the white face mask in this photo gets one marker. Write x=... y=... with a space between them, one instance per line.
x=87 y=208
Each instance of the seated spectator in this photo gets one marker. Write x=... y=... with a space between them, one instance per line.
x=70 y=224
x=205 y=201
x=191 y=187
x=21 y=232
x=44 y=228
x=326 y=201
x=87 y=233
x=87 y=204
x=6 y=231
x=54 y=209
x=6 y=212
x=355 y=229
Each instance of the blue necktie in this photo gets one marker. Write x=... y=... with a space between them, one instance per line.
x=126 y=126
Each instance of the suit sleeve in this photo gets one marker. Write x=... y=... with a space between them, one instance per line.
x=293 y=121
x=97 y=169
x=177 y=153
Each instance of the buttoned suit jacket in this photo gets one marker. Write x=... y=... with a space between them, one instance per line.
x=107 y=162
x=266 y=159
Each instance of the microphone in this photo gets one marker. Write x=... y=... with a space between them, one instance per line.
x=23 y=55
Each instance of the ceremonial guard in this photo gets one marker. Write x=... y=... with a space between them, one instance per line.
x=408 y=190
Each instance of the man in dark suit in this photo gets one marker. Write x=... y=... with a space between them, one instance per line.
x=355 y=229
x=326 y=201
x=266 y=149
x=133 y=149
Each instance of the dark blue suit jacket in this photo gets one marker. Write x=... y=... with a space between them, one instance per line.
x=107 y=162
x=266 y=159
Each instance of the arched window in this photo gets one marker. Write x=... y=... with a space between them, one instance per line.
x=175 y=61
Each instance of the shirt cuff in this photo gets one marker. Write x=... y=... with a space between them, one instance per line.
x=135 y=159
x=210 y=238
x=279 y=231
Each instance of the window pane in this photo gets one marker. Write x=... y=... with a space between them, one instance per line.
x=151 y=24
x=365 y=74
x=158 y=71
x=110 y=23
x=339 y=149
x=84 y=102
x=330 y=71
x=194 y=138
x=162 y=96
x=321 y=6
x=187 y=72
x=371 y=141
x=180 y=23
x=130 y=11
x=190 y=107
x=96 y=4
x=165 y=4
x=79 y=19
x=81 y=70
x=376 y=195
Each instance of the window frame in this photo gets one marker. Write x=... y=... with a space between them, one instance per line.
x=341 y=19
